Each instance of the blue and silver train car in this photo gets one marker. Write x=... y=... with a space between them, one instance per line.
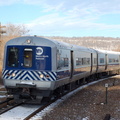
x=30 y=66
x=36 y=67
x=85 y=62
x=108 y=61
x=113 y=61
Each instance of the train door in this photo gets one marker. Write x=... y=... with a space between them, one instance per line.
x=106 y=59
x=72 y=65
x=97 y=64
x=91 y=62
x=26 y=63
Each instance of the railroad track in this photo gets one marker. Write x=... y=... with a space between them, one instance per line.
x=7 y=105
x=40 y=109
x=6 y=102
x=30 y=110
x=10 y=109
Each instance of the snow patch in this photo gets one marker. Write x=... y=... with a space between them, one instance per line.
x=2 y=96
x=86 y=118
x=19 y=113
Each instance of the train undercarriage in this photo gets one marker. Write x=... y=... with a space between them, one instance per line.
x=28 y=94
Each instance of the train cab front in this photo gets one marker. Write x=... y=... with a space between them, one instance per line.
x=27 y=71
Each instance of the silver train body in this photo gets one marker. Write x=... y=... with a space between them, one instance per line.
x=37 y=66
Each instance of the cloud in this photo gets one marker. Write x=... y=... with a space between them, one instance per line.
x=51 y=22
x=55 y=24
x=60 y=16
x=66 y=13
x=34 y=2
x=90 y=6
x=8 y=2
x=101 y=6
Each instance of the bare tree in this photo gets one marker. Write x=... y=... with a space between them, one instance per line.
x=16 y=30
x=12 y=31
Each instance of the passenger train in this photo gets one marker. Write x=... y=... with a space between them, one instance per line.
x=38 y=68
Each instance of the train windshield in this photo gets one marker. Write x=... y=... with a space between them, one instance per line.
x=27 y=57
x=13 y=57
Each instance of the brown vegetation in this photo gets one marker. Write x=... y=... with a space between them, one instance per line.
x=105 y=43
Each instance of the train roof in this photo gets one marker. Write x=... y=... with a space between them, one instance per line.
x=107 y=52
x=30 y=40
x=38 y=41
x=85 y=49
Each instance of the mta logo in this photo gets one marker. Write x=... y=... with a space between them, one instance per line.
x=39 y=51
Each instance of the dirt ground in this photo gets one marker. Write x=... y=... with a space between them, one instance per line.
x=89 y=103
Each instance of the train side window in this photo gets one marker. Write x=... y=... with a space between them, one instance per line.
x=78 y=61
x=113 y=60
x=95 y=60
x=66 y=62
x=62 y=62
x=13 y=57
x=116 y=60
x=87 y=61
x=27 y=57
x=101 y=60
x=110 y=60
x=59 y=62
x=84 y=61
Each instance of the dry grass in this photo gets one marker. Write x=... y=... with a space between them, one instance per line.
x=87 y=103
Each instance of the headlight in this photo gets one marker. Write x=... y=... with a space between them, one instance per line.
x=28 y=41
x=41 y=76
x=13 y=74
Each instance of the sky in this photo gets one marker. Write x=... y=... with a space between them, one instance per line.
x=69 y=18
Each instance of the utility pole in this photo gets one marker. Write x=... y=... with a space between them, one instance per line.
x=2 y=31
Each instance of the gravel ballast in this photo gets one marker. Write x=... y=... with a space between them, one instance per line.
x=89 y=103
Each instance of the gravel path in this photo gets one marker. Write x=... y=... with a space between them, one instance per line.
x=88 y=104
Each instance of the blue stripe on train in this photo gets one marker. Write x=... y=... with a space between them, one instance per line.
x=29 y=75
x=35 y=75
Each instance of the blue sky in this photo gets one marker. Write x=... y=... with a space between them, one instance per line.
x=64 y=17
